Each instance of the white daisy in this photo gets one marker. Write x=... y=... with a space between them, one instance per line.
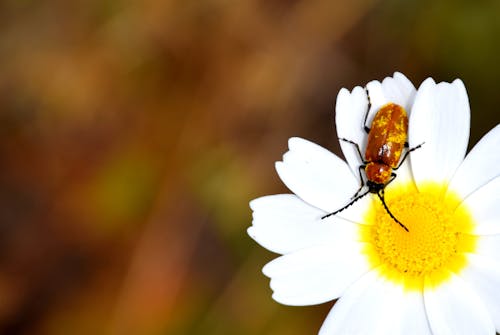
x=441 y=277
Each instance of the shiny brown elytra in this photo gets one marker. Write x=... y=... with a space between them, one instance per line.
x=386 y=142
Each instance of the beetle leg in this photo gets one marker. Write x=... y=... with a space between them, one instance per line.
x=365 y=127
x=357 y=148
x=407 y=153
x=361 y=181
x=393 y=176
x=361 y=167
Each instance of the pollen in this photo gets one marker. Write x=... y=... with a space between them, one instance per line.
x=436 y=245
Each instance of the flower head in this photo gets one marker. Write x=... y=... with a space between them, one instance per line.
x=439 y=277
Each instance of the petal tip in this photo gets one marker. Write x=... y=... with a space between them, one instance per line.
x=267 y=270
x=293 y=142
x=459 y=84
x=278 y=165
x=343 y=92
x=251 y=232
x=427 y=82
x=252 y=204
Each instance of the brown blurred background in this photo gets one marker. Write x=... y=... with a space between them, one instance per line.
x=134 y=133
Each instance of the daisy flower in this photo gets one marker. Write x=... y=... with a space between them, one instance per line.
x=440 y=277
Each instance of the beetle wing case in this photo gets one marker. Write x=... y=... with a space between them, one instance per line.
x=387 y=136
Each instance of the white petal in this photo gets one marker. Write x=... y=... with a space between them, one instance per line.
x=483 y=275
x=350 y=112
x=440 y=119
x=480 y=166
x=376 y=306
x=483 y=206
x=316 y=175
x=316 y=275
x=413 y=318
x=403 y=173
x=454 y=308
x=404 y=93
x=488 y=246
x=398 y=90
x=284 y=223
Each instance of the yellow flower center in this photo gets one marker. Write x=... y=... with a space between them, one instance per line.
x=438 y=238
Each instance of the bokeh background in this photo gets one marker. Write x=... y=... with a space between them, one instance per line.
x=134 y=133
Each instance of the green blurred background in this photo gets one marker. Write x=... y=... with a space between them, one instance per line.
x=134 y=133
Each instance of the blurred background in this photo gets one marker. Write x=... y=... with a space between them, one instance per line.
x=134 y=133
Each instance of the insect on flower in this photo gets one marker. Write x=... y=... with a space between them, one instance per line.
x=442 y=276
x=386 y=142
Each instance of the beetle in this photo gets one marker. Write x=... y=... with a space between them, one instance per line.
x=386 y=142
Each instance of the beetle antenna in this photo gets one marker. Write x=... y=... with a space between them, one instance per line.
x=349 y=204
x=381 y=197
